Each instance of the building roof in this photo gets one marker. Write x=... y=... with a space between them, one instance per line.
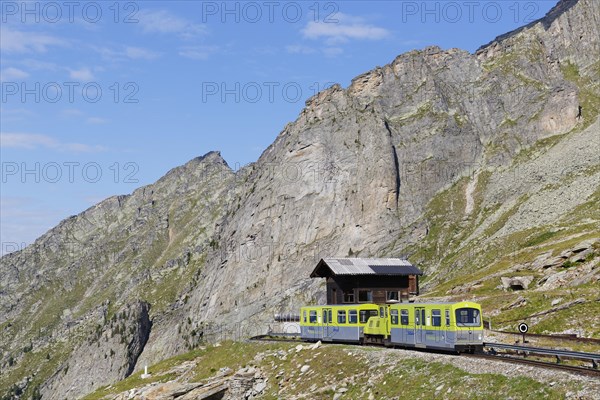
x=364 y=266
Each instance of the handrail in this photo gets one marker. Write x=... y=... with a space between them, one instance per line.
x=541 y=350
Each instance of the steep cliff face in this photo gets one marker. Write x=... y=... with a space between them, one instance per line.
x=454 y=159
x=400 y=135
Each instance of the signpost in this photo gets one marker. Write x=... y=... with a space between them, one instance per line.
x=523 y=328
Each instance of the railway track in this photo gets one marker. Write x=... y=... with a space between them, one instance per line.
x=544 y=364
x=279 y=337
x=519 y=354
x=516 y=355
x=551 y=337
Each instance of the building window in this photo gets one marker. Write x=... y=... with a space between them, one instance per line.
x=404 y=317
x=348 y=296
x=436 y=318
x=365 y=296
x=394 y=315
x=341 y=316
x=313 y=317
x=352 y=317
x=392 y=295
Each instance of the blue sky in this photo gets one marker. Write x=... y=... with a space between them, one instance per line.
x=99 y=98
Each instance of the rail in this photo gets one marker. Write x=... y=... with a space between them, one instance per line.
x=559 y=354
x=570 y=337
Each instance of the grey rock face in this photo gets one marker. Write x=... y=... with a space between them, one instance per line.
x=109 y=355
x=217 y=253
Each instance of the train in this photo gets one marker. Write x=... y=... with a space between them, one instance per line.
x=443 y=326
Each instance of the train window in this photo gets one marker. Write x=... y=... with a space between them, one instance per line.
x=436 y=317
x=447 y=317
x=417 y=317
x=366 y=314
x=304 y=314
x=352 y=317
x=468 y=317
x=423 y=316
x=363 y=316
x=392 y=295
x=365 y=296
x=348 y=296
x=404 y=317
x=313 y=317
x=341 y=316
x=394 y=315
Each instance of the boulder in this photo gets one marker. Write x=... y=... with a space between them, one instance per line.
x=554 y=262
x=521 y=301
x=541 y=260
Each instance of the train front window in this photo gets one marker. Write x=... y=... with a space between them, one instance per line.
x=468 y=317
x=313 y=317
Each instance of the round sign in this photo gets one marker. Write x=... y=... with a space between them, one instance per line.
x=523 y=328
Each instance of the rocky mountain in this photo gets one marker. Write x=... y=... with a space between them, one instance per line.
x=475 y=166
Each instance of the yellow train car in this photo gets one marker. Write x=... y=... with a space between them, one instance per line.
x=443 y=326
x=343 y=323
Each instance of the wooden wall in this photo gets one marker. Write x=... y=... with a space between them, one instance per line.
x=378 y=285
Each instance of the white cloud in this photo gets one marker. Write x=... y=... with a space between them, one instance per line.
x=38 y=65
x=346 y=28
x=162 y=21
x=82 y=74
x=12 y=73
x=126 y=53
x=14 y=41
x=71 y=112
x=332 y=51
x=299 y=49
x=31 y=141
x=140 y=53
x=329 y=51
x=15 y=114
x=198 y=52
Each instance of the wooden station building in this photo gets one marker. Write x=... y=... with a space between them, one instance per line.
x=368 y=280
